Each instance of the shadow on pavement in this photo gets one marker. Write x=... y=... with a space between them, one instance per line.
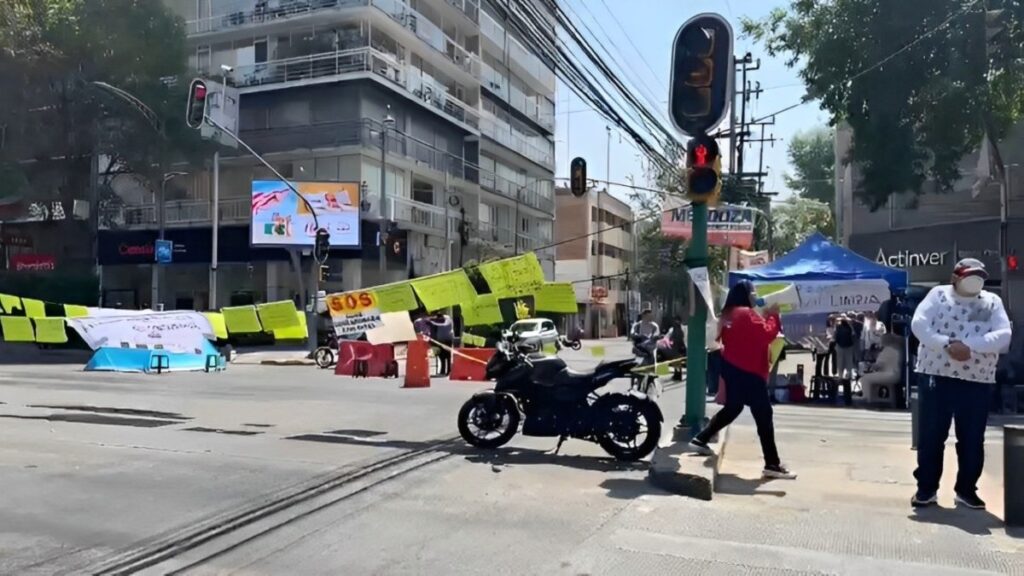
x=737 y=486
x=976 y=522
x=529 y=457
x=630 y=488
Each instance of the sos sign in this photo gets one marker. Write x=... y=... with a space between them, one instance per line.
x=351 y=302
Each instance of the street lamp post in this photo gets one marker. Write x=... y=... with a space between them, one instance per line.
x=161 y=225
x=385 y=217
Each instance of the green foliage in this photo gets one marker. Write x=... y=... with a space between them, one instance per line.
x=912 y=78
x=813 y=159
x=796 y=219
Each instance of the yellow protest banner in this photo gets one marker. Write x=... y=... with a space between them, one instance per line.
x=10 y=303
x=517 y=276
x=445 y=290
x=220 y=329
x=50 y=331
x=34 y=308
x=396 y=298
x=17 y=329
x=556 y=297
x=597 y=351
x=241 y=320
x=75 y=311
x=473 y=340
x=483 y=312
x=347 y=303
x=297 y=332
x=277 y=315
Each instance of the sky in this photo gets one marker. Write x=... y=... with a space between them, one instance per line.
x=651 y=25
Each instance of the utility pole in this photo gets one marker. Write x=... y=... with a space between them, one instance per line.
x=445 y=197
x=385 y=217
x=748 y=91
x=600 y=226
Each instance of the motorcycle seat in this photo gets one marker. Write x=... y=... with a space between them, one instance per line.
x=574 y=378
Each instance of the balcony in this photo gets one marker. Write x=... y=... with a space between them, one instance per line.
x=537 y=108
x=471 y=8
x=259 y=15
x=517 y=192
x=328 y=66
x=525 y=63
x=531 y=148
x=430 y=33
x=177 y=213
x=490 y=233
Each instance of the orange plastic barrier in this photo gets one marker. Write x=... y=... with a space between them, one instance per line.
x=377 y=358
x=470 y=363
x=417 y=366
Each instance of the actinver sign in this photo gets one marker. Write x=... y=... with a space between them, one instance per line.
x=908 y=259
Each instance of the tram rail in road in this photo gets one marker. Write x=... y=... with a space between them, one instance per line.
x=191 y=546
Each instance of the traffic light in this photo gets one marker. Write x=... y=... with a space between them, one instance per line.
x=325 y=273
x=1012 y=263
x=578 y=177
x=703 y=169
x=702 y=74
x=323 y=245
x=195 y=110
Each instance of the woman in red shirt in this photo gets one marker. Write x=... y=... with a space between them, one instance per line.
x=746 y=337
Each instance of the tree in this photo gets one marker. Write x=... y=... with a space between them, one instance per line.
x=813 y=160
x=796 y=219
x=914 y=79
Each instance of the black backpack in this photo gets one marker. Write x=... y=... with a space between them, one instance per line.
x=844 y=335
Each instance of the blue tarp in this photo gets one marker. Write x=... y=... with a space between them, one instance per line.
x=141 y=360
x=819 y=259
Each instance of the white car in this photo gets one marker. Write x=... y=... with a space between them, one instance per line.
x=536 y=332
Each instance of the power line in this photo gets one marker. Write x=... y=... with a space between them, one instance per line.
x=629 y=39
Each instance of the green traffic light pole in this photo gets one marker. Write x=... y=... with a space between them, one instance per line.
x=696 y=333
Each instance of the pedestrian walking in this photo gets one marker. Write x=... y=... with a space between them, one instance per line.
x=962 y=330
x=746 y=337
x=846 y=342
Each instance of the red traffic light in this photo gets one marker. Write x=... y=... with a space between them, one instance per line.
x=195 y=108
x=1011 y=262
x=200 y=92
x=700 y=155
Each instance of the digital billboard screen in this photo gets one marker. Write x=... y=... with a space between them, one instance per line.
x=280 y=218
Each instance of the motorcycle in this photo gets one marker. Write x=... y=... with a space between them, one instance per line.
x=559 y=402
x=565 y=342
x=325 y=356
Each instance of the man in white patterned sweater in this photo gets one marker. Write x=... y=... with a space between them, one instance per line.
x=962 y=330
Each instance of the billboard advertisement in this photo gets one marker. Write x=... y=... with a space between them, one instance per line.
x=279 y=218
x=727 y=225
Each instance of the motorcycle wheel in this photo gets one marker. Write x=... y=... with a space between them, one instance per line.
x=628 y=419
x=324 y=357
x=487 y=421
x=576 y=345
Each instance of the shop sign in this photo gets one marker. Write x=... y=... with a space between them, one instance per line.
x=33 y=263
x=911 y=259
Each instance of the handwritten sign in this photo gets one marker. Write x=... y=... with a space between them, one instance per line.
x=75 y=311
x=851 y=296
x=296 y=332
x=50 y=331
x=556 y=297
x=178 y=331
x=356 y=324
x=277 y=315
x=241 y=320
x=484 y=312
x=10 y=303
x=34 y=308
x=351 y=302
x=216 y=319
x=396 y=298
x=17 y=329
x=444 y=290
x=517 y=276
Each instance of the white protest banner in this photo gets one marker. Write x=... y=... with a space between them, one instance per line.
x=182 y=331
x=395 y=327
x=700 y=279
x=818 y=296
x=356 y=324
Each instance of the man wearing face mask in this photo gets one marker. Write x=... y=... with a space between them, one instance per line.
x=962 y=329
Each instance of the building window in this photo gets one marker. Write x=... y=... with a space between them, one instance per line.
x=593 y=213
x=260 y=50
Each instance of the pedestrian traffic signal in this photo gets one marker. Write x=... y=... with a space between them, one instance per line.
x=325 y=273
x=195 y=110
x=578 y=177
x=702 y=73
x=703 y=169
x=323 y=245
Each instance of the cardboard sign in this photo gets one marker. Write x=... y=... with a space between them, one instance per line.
x=356 y=324
x=351 y=302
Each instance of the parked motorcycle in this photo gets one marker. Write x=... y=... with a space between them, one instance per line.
x=326 y=356
x=559 y=402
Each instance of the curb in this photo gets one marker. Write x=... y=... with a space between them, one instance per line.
x=302 y=362
x=679 y=470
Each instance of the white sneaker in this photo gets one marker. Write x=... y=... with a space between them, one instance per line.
x=701 y=448
x=779 y=472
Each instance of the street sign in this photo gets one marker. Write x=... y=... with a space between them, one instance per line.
x=700 y=90
x=164 y=251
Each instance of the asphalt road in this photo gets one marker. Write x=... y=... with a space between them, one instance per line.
x=101 y=469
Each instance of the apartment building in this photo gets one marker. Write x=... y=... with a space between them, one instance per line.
x=598 y=249
x=437 y=98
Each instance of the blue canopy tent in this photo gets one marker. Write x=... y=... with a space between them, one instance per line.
x=819 y=259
